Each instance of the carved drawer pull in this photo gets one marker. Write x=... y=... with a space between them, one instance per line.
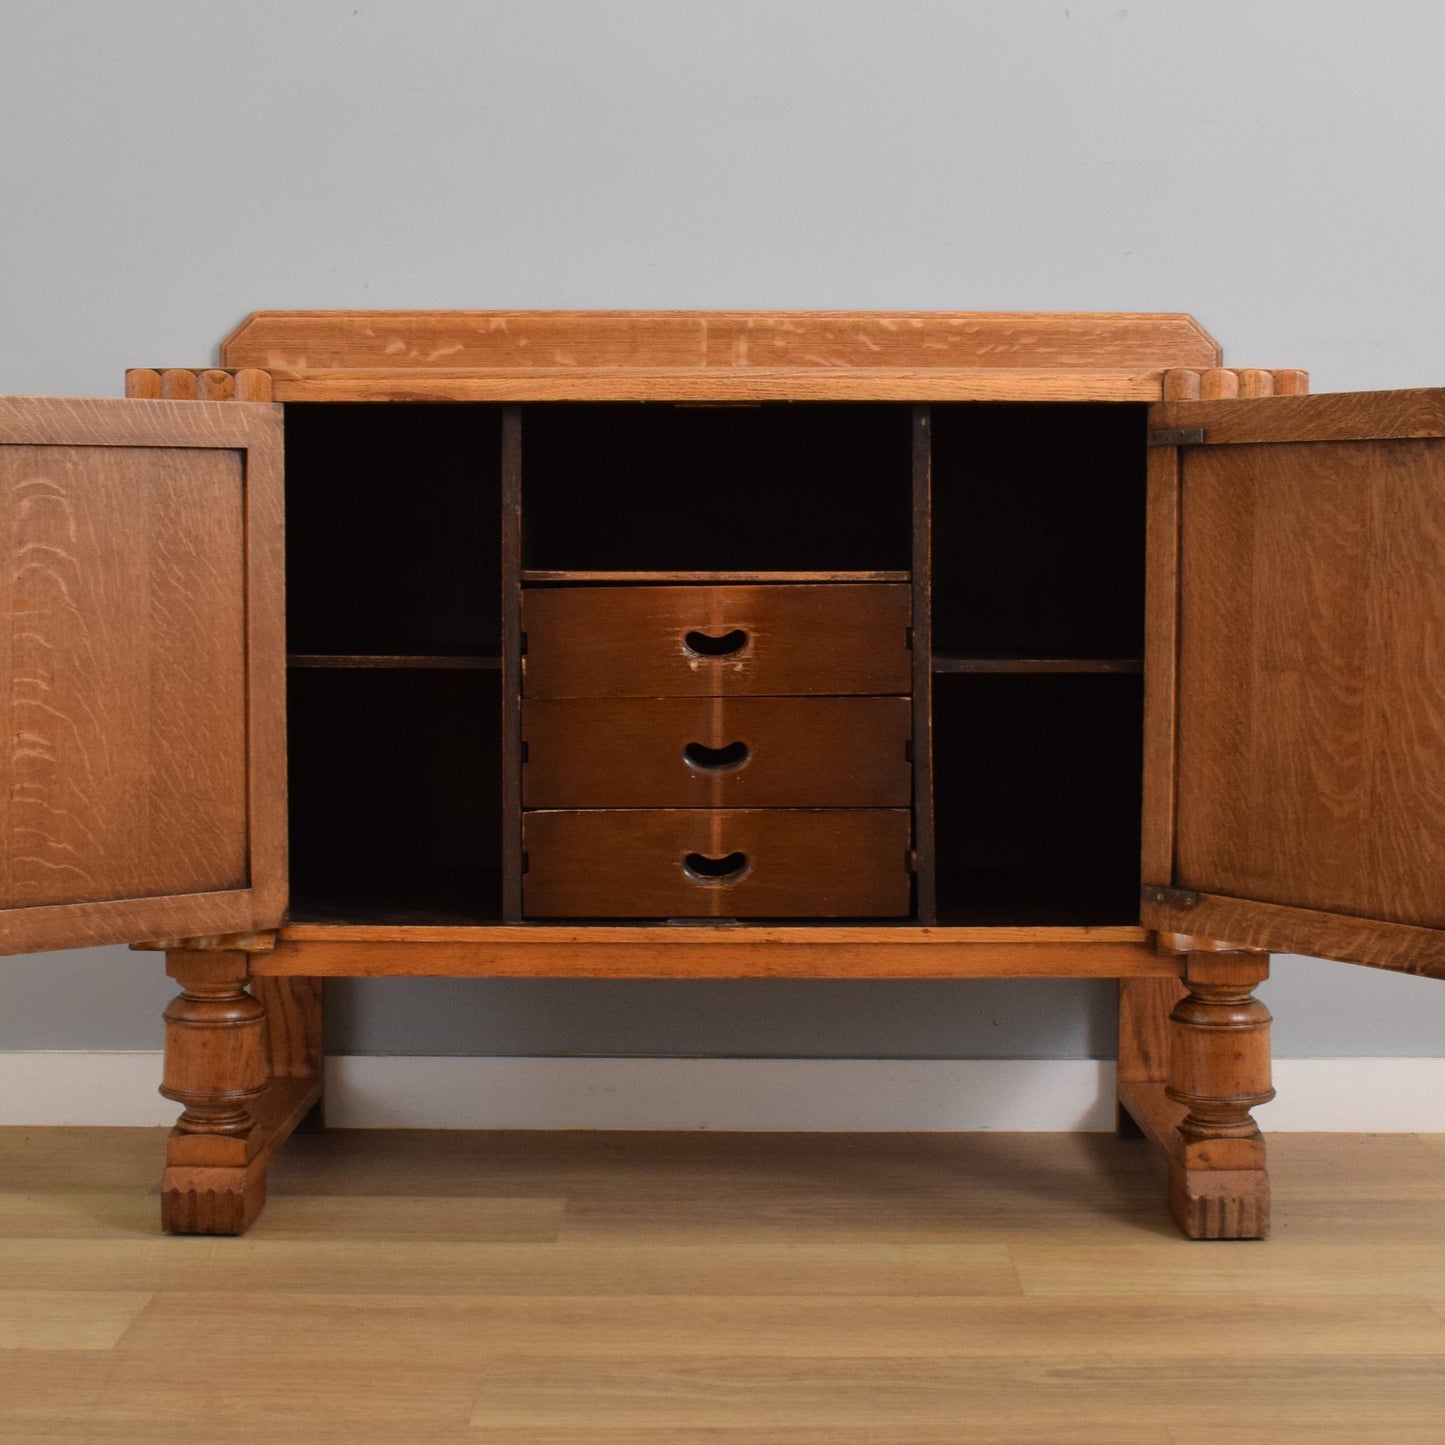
x=729 y=759
x=703 y=644
x=731 y=869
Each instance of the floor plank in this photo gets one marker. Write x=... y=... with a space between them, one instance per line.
x=728 y=1289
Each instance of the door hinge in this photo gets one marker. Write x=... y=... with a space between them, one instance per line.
x=1189 y=436
x=1169 y=897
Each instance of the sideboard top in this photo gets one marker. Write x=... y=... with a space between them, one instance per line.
x=796 y=340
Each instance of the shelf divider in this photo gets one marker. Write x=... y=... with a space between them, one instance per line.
x=512 y=861
x=924 y=863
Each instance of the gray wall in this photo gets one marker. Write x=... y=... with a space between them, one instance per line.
x=1271 y=167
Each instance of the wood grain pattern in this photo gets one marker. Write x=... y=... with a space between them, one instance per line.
x=292 y=340
x=801 y=752
x=210 y=384
x=739 y=1289
x=1330 y=416
x=293 y=1026
x=693 y=951
x=1282 y=929
x=1161 y=662
x=143 y=570
x=795 y=863
x=631 y=641
x=1144 y=1008
x=1311 y=742
x=1221 y=383
x=717 y=384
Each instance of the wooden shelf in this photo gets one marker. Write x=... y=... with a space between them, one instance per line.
x=999 y=665
x=571 y=575
x=375 y=660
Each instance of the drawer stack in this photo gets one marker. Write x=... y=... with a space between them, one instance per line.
x=717 y=751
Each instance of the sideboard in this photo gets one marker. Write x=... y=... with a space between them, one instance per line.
x=725 y=645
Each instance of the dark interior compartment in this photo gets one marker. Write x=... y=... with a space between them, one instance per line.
x=395 y=796
x=1037 y=798
x=393 y=528
x=660 y=487
x=1038 y=530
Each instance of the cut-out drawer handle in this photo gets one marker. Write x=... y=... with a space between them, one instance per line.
x=730 y=869
x=704 y=644
x=717 y=760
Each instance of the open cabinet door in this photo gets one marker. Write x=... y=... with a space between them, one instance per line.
x=1307 y=721
x=142 y=654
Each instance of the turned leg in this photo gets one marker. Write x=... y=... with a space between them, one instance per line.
x=216 y=1068
x=1218 y=1072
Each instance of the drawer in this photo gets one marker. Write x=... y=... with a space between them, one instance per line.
x=749 y=752
x=722 y=863
x=716 y=641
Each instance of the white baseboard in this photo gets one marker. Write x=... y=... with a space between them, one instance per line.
x=1381 y=1096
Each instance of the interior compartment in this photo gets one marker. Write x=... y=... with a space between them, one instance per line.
x=393 y=523
x=1037 y=785
x=395 y=795
x=1038 y=530
x=669 y=488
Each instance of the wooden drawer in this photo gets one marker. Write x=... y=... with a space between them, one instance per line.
x=715 y=641
x=724 y=863
x=750 y=752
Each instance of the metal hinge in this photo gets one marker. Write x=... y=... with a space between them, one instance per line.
x=1170 y=897
x=1189 y=436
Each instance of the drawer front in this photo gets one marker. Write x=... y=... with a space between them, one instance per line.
x=769 y=640
x=696 y=863
x=752 y=752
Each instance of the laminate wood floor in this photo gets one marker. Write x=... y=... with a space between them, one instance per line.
x=529 y=1288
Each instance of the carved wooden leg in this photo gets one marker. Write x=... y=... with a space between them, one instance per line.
x=1219 y=1071
x=216 y=1067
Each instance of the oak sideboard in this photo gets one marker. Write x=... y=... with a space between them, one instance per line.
x=724 y=645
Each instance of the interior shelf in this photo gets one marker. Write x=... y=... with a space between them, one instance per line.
x=412 y=531
x=395 y=794
x=427 y=662
x=534 y=575
x=1041 y=665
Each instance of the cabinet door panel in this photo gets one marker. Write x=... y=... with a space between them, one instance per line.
x=1310 y=746
x=140 y=579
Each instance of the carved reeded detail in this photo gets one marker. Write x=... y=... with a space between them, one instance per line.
x=1218 y=383
x=179 y=383
x=215 y=1060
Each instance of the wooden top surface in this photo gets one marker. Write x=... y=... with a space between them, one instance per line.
x=533 y=340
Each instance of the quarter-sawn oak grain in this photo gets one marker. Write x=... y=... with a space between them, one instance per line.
x=845 y=638
x=142 y=564
x=815 y=752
